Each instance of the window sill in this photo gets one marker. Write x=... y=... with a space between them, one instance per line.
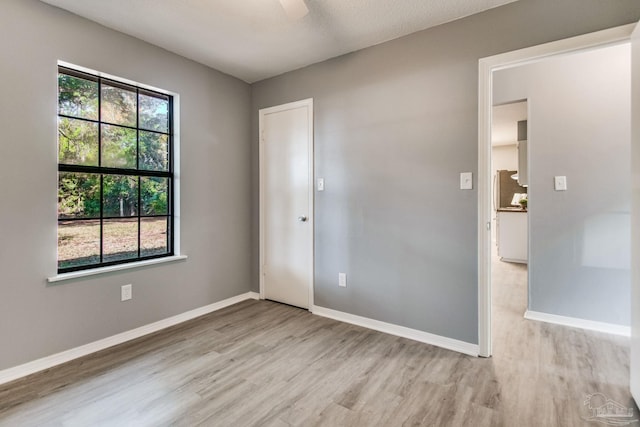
x=101 y=270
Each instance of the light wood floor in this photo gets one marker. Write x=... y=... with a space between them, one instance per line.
x=260 y=363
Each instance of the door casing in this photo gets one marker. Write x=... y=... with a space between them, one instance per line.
x=262 y=198
x=635 y=215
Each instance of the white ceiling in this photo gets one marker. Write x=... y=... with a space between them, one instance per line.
x=504 y=122
x=254 y=39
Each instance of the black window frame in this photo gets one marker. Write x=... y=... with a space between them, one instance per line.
x=103 y=171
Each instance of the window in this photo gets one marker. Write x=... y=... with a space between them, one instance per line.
x=115 y=172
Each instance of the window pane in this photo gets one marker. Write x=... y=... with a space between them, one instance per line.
x=77 y=97
x=154 y=112
x=154 y=151
x=78 y=243
x=118 y=105
x=118 y=147
x=77 y=142
x=120 y=239
x=153 y=236
x=154 y=194
x=120 y=196
x=107 y=130
x=78 y=195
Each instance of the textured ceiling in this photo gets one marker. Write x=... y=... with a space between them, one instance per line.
x=504 y=123
x=255 y=39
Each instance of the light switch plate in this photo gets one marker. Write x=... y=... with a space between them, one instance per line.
x=320 y=184
x=466 y=181
x=560 y=183
x=342 y=280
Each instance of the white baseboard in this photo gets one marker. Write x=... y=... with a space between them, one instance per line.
x=401 y=331
x=574 y=322
x=29 y=368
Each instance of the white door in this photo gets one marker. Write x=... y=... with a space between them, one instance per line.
x=635 y=214
x=286 y=203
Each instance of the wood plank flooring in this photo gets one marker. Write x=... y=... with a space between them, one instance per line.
x=260 y=363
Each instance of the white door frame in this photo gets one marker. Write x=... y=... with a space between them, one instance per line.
x=279 y=108
x=487 y=66
x=635 y=215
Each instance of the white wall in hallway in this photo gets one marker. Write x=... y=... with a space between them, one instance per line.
x=504 y=157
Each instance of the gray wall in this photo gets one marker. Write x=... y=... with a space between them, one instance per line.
x=37 y=319
x=579 y=127
x=394 y=126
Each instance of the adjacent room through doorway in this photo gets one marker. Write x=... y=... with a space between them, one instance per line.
x=561 y=251
x=510 y=237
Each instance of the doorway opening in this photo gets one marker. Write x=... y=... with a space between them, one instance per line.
x=488 y=68
x=510 y=225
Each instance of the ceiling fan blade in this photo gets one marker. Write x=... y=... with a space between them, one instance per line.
x=295 y=9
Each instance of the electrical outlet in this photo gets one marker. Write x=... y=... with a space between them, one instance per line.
x=342 y=280
x=126 y=292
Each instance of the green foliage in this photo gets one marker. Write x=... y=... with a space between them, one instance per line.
x=153 y=193
x=120 y=195
x=154 y=113
x=78 y=193
x=77 y=97
x=77 y=142
x=118 y=106
x=118 y=147
x=153 y=151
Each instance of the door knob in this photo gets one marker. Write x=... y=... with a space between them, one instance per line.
x=302 y=218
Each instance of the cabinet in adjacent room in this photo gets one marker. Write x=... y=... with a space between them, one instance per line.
x=512 y=235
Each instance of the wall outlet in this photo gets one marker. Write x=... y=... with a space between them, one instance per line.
x=126 y=292
x=342 y=280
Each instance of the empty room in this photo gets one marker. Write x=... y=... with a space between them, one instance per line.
x=157 y=266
